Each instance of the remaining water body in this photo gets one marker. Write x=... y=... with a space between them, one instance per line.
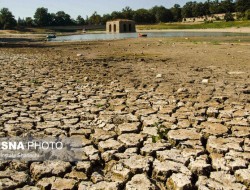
x=104 y=36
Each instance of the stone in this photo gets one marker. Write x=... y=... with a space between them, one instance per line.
x=172 y=154
x=183 y=134
x=205 y=183
x=163 y=170
x=6 y=183
x=85 y=185
x=77 y=175
x=49 y=168
x=96 y=177
x=27 y=187
x=131 y=139
x=110 y=144
x=150 y=148
x=137 y=164
x=239 y=131
x=158 y=76
x=223 y=145
x=212 y=112
x=63 y=184
x=11 y=179
x=102 y=135
x=200 y=166
x=219 y=162
x=119 y=173
x=140 y=182
x=214 y=129
x=145 y=112
x=204 y=81
x=152 y=131
x=55 y=183
x=243 y=176
x=84 y=166
x=179 y=181
x=104 y=185
x=128 y=128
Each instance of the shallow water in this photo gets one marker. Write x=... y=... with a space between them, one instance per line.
x=104 y=36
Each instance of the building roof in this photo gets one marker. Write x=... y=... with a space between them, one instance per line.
x=120 y=20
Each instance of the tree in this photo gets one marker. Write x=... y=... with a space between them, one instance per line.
x=242 y=5
x=162 y=14
x=95 y=18
x=187 y=10
x=116 y=15
x=106 y=18
x=42 y=17
x=127 y=13
x=62 y=19
x=228 y=17
x=247 y=14
x=29 y=21
x=227 y=6
x=21 y=22
x=143 y=16
x=176 y=12
x=80 y=20
x=7 y=20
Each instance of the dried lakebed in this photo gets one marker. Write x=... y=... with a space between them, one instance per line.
x=152 y=114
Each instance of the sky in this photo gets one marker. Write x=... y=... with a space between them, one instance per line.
x=27 y=8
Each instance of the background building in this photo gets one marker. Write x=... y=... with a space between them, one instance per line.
x=120 y=26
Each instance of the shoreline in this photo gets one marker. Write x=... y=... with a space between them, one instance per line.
x=231 y=30
x=5 y=38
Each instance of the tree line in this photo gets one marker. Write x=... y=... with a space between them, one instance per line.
x=156 y=14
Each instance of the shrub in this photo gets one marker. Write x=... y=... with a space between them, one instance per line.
x=228 y=17
x=217 y=18
x=240 y=16
x=247 y=14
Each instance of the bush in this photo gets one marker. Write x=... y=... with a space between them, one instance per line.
x=228 y=17
x=240 y=16
x=247 y=14
x=217 y=18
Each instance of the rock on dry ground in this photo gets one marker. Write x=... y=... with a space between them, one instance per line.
x=173 y=117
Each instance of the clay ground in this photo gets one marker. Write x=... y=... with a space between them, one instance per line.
x=165 y=113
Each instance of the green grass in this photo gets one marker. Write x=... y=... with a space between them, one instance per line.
x=215 y=43
x=222 y=24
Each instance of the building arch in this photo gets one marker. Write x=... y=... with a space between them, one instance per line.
x=110 y=28
x=124 y=27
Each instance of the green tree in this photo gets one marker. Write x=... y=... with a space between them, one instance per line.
x=247 y=14
x=21 y=22
x=228 y=17
x=106 y=18
x=62 y=19
x=117 y=15
x=162 y=14
x=187 y=10
x=127 y=13
x=29 y=21
x=80 y=20
x=242 y=5
x=95 y=18
x=143 y=16
x=42 y=17
x=7 y=20
x=227 y=6
x=176 y=12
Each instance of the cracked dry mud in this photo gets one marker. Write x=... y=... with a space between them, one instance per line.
x=153 y=113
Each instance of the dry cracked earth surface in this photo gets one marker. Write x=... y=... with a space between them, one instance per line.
x=153 y=114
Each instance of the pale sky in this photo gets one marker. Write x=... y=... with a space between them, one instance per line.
x=26 y=8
